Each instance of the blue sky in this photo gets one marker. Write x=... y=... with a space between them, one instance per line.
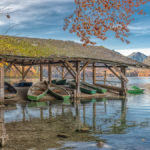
x=45 y=19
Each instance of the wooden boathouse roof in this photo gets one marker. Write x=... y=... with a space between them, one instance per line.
x=27 y=51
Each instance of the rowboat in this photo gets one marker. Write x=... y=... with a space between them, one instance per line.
x=23 y=84
x=135 y=90
x=59 y=93
x=10 y=91
x=37 y=91
x=83 y=88
x=95 y=87
x=59 y=82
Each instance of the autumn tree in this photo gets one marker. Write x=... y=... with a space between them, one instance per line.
x=95 y=18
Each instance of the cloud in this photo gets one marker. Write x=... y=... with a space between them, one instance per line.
x=140 y=28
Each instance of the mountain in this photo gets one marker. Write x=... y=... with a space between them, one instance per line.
x=147 y=60
x=140 y=57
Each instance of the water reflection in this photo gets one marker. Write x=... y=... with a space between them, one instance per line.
x=101 y=117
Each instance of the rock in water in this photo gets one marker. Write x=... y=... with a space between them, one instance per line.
x=63 y=135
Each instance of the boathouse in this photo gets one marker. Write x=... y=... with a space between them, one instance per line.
x=72 y=57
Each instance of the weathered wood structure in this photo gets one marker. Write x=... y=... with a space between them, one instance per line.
x=73 y=58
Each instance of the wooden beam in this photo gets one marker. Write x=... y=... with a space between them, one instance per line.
x=73 y=75
x=26 y=72
x=70 y=66
x=83 y=75
x=121 y=74
x=105 y=77
x=84 y=66
x=23 y=70
x=1 y=84
x=9 y=66
x=113 y=72
x=17 y=69
x=113 y=88
x=78 y=78
x=58 y=70
x=41 y=72
x=63 y=73
x=94 y=73
x=50 y=74
x=123 y=83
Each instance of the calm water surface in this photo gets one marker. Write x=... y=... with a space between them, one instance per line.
x=122 y=125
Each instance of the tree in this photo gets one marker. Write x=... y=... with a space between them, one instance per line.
x=95 y=18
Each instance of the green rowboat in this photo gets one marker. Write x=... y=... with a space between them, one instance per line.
x=59 y=82
x=37 y=91
x=59 y=93
x=95 y=87
x=135 y=90
x=83 y=88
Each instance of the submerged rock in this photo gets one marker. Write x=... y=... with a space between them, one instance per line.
x=100 y=144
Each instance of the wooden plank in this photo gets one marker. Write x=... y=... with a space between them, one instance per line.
x=123 y=83
x=78 y=78
x=94 y=73
x=121 y=74
x=50 y=73
x=63 y=73
x=113 y=88
x=23 y=70
x=1 y=84
x=84 y=66
x=41 y=72
x=84 y=75
x=105 y=77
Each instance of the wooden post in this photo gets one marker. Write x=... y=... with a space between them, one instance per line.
x=41 y=72
x=94 y=116
x=63 y=73
x=23 y=73
x=49 y=74
x=83 y=75
x=3 y=135
x=94 y=74
x=77 y=78
x=105 y=76
x=123 y=83
x=1 y=85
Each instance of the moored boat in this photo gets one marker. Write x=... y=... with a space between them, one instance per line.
x=37 y=91
x=23 y=84
x=95 y=87
x=59 y=93
x=10 y=91
x=83 y=88
x=135 y=90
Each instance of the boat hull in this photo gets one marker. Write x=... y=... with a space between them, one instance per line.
x=98 y=89
x=33 y=97
x=58 y=96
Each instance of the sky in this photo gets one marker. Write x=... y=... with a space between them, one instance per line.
x=45 y=19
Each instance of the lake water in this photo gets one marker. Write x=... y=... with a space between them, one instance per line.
x=120 y=124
